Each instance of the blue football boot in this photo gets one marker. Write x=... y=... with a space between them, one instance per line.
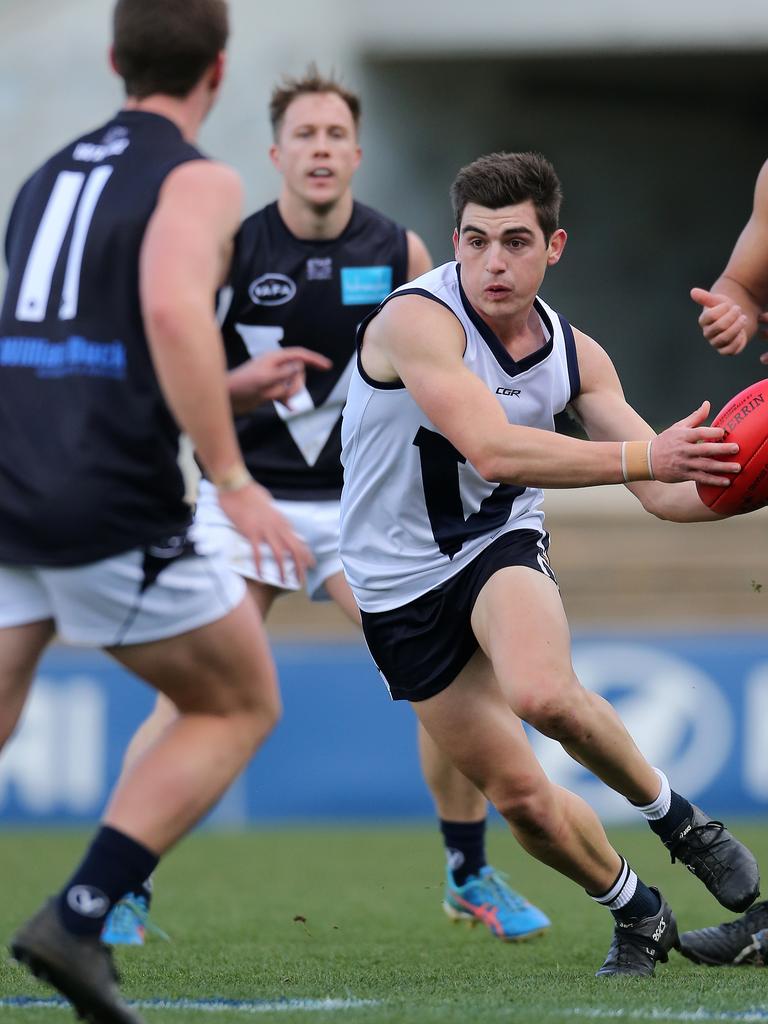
x=487 y=897
x=128 y=923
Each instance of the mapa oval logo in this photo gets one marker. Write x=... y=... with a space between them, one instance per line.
x=272 y=290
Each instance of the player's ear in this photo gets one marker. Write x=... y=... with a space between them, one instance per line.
x=274 y=155
x=113 y=61
x=556 y=246
x=217 y=71
x=456 y=243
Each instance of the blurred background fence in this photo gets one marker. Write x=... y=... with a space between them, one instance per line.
x=654 y=116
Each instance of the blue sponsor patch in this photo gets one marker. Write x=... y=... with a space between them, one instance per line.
x=73 y=357
x=365 y=286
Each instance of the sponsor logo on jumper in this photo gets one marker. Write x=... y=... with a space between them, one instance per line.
x=509 y=392
x=272 y=290
x=114 y=143
x=742 y=414
x=365 y=286
x=75 y=356
x=320 y=268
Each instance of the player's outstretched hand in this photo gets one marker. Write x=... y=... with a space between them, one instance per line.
x=723 y=322
x=690 y=451
x=273 y=377
x=254 y=516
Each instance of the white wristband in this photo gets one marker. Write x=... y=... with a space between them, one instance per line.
x=624 y=462
x=650 y=460
x=235 y=478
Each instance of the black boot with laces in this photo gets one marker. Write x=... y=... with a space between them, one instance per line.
x=723 y=864
x=638 y=946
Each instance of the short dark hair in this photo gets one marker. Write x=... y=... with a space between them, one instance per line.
x=505 y=179
x=312 y=82
x=165 y=46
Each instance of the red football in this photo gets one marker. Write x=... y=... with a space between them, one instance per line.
x=745 y=419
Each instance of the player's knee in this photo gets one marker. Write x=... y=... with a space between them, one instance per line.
x=525 y=806
x=269 y=710
x=260 y=701
x=253 y=720
x=7 y=726
x=249 y=699
x=552 y=711
x=527 y=815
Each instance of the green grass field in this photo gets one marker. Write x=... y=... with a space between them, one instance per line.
x=354 y=914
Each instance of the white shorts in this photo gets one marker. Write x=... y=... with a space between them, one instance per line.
x=316 y=522
x=136 y=597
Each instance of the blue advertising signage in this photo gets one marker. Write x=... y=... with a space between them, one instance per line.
x=697 y=705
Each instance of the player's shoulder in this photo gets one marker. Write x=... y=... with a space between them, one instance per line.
x=761 y=190
x=594 y=364
x=440 y=283
x=255 y=241
x=424 y=302
x=259 y=233
x=199 y=171
x=48 y=168
x=258 y=220
x=204 y=184
x=61 y=155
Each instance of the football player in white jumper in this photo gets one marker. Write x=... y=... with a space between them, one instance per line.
x=448 y=438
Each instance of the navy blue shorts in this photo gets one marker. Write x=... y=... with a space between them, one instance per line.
x=421 y=647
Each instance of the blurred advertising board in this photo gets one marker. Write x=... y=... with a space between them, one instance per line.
x=697 y=704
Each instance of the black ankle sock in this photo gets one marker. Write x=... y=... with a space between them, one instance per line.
x=113 y=866
x=464 y=847
x=644 y=903
x=679 y=810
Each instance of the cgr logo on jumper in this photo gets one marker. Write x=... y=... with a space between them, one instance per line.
x=509 y=392
x=272 y=290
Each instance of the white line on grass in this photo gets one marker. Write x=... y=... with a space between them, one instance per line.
x=204 y=1005
x=755 y=1016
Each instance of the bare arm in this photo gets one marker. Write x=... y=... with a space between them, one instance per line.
x=419 y=342
x=272 y=377
x=184 y=258
x=606 y=415
x=419 y=260
x=735 y=304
